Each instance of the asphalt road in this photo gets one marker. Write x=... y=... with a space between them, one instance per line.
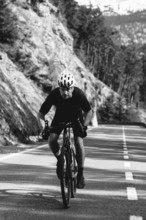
x=115 y=172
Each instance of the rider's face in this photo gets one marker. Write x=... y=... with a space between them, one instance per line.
x=66 y=93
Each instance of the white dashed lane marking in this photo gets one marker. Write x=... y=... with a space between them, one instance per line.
x=125 y=151
x=126 y=157
x=127 y=164
x=134 y=217
x=131 y=191
x=128 y=176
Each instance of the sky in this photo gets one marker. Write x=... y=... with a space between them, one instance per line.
x=120 y=6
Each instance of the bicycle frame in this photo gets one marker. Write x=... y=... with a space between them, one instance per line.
x=67 y=142
x=69 y=167
x=67 y=136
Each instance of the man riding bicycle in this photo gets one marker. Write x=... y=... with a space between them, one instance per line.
x=71 y=106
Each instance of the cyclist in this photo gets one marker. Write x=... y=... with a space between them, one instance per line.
x=71 y=104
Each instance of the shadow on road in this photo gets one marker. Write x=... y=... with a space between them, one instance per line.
x=32 y=192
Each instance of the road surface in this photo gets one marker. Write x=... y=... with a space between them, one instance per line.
x=115 y=172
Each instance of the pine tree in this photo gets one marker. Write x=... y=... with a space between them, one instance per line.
x=8 y=31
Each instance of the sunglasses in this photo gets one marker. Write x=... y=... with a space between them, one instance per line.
x=66 y=89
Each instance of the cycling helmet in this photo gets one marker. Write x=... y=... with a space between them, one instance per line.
x=66 y=79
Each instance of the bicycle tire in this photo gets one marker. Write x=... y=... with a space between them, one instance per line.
x=73 y=173
x=65 y=179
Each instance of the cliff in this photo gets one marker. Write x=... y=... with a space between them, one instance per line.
x=30 y=66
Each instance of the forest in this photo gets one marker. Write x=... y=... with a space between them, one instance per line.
x=121 y=67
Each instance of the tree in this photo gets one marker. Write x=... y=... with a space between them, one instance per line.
x=8 y=29
x=119 y=67
x=143 y=85
x=113 y=110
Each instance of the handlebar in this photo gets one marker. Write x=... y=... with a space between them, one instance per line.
x=63 y=125
x=47 y=130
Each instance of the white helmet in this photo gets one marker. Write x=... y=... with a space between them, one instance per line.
x=66 y=79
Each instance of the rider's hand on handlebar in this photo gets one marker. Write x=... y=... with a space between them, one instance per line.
x=84 y=133
x=82 y=128
x=46 y=131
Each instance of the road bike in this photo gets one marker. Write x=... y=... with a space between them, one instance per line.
x=67 y=165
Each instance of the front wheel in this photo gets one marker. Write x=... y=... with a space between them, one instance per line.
x=65 y=179
x=74 y=170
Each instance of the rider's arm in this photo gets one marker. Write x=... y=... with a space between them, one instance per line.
x=45 y=108
x=85 y=105
x=87 y=117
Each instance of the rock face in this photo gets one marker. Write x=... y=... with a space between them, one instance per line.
x=30 y=67
x=19 y=102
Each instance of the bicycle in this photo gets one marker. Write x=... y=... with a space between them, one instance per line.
x=67 y=165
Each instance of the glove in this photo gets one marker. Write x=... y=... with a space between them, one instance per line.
x=45 y=135
x=84 y=131
x=46 y=131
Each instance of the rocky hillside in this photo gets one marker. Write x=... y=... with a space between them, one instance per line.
x=30 y=66
x=131 y=28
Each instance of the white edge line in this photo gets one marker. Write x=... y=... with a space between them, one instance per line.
x=21 y=152
x=25 y=151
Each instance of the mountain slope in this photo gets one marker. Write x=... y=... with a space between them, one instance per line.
x=131 y=28
x=29 y=69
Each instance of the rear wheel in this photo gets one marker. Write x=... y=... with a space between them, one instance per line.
x=65 y=179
